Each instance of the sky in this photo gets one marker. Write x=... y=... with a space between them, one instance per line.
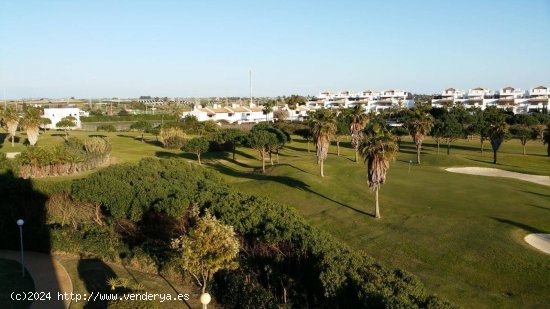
x=206 y=48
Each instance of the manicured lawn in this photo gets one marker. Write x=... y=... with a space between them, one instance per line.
x=11 y=281
x=91 y=275
x=462 y=235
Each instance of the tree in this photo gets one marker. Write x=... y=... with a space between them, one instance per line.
x=11 y=120
x=268 y=108
x=398 y=132
x=231 y=137
x=437 y=132
x=142 y=126
x=523 y=133
x=342 y=129
x=378 y=149
x=197 y=145
x=357 y=120
x=305 y=133
x=542 y=122
x=452 y=129
x=209 y=246
x=323 y=125
x=280 y=115
x=66 y=123
x=31 y=124
x=546 y=140
x=260 y=140
x=44 y=122
x=419 y=124
x=479 y=126
x=496 y=130
x=295 y=100
x=275 y=143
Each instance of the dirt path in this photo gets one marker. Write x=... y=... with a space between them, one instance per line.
x=48 y=276
x=484 y=171
x=539 y=241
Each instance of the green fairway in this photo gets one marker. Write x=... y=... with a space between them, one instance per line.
x=462 y=235
x=11 y=281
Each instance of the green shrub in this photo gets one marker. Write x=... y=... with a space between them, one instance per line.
x=106 y=127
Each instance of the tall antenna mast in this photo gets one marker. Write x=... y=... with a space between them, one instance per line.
x=250 y=87
x=5 y=103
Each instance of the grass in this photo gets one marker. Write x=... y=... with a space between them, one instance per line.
x=90 y=275
x=462 y=235
x=11 y=281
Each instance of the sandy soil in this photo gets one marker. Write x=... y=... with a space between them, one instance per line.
x=483 y=171
x=539 y=241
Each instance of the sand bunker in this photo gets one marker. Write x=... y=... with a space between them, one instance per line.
x=483 y=171
x=539 y=241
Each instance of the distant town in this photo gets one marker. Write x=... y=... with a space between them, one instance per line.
x=240 y=110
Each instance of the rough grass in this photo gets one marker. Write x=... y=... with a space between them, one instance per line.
x=461 y=234
x=11 y=281
x=90 y=275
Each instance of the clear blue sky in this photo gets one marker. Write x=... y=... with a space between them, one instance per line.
x=206 y=48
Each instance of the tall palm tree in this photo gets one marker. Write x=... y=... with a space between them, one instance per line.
x=378 y=148
x=419 y=124
x=31 y=123
x=323 y=125
x=268 y=108
x=11 y=119
x=497 y=134
x=358 y=120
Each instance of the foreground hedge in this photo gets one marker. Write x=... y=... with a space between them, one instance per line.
x=299 y=265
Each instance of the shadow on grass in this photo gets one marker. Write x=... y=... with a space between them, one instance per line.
x=284 y=180
x=519 y=225
x=490 y=161
x=537 y=206
x=537 y=194
x=95 y=273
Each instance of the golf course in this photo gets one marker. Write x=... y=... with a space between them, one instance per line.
x=461 y=235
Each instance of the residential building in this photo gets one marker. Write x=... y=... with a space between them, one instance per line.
x=55 y=114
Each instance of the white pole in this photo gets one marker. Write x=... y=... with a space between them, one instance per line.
x=251 y=87
x=20 y=222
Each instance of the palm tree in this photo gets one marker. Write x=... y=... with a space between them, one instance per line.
x=44 y=122
x=358 y=120
x=268 y=108
x=11 y=119
x=323 y=125
x=419 y=124
x=31 y=123
x=546 y=140
x=378 y=148
x=497 y=133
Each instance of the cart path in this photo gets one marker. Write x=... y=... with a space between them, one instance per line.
x=494 y=172
x=48 y=276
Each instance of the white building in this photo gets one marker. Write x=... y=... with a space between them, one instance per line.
x=232 y=114
x=373 y=101
x=537 y=99
x=447 y=97
x=55 y=114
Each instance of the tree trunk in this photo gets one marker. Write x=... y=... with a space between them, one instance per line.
x=308 y=145
x=494 y=157
x=523 y=146
x=263 y=161
x=199 y=157
x=438 y=141
x=338 y=147
x=377 y=207
x=321 y=165
x=481 y=141
x=12 y=140
x=448 y=147
x=270 y=158
x=142 y=137
x=356 y=154
x=277 y=155
x=418 y=148
x=234 y=152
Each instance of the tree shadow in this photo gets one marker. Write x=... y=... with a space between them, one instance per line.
x=490 y=161
x=537 y=194
x=95 y=273
x=168 y=155
x=537 y=206
x=284 y=180
x=21 y=200
x=175 y=290
x=520 y=225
